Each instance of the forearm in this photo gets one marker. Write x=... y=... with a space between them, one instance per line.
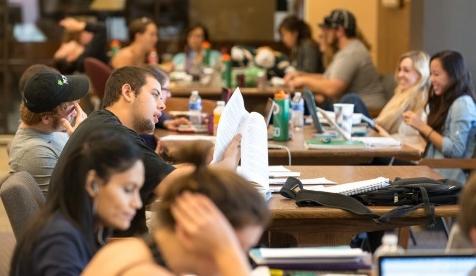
x=323 y=86
x=231 y=261
x=432 y=136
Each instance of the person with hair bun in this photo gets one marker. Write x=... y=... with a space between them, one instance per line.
x=205 y=221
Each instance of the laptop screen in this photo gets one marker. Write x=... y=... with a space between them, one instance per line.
x=435 y=265
x=311 y=106
x=268 y=111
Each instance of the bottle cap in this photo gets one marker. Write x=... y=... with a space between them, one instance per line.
x=225 y=57
x=280 y=95
x=390 y=239
x=206 y=45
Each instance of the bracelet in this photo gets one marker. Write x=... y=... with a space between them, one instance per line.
x=429 y=133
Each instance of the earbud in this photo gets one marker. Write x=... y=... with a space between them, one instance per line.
x=95 y=187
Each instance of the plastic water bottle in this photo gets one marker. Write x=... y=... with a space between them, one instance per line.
x=297 y=111
x=217 y=114
x=195 y=108
x=389 y=246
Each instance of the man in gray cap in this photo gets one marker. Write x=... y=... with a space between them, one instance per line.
x=351 y=76
x=49 y=113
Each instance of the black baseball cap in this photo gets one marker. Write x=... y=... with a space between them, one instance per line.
x=46 y=90
x=343 y=18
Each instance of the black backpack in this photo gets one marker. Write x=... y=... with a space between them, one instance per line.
x=407 y=194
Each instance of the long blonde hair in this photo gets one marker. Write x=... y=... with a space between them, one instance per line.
x=411 y=99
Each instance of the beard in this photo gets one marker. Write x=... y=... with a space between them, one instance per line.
x=143 y=126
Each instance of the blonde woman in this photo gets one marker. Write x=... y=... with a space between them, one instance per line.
x=411 y=94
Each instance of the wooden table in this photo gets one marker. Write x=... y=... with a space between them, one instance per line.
x=300 y=155
x=305 y=226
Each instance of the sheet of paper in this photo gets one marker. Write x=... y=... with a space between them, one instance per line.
x=378 y=141
x=309 y=252
x=278 y=169
x=306 y=181
x=231 y=119
x=187 y=138
x=254 y=151
x=284 y=174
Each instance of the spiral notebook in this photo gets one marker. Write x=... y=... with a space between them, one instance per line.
x=354 y=188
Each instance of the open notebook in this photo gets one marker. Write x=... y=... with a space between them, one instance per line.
x=254 y=140
x=354 y=188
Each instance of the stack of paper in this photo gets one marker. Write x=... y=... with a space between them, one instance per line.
x=333 y=258
x=279 y=174
x=254 y=141
x=378 y=141
x=176 y=138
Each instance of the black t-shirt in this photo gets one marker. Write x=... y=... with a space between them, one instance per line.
x=155 y=168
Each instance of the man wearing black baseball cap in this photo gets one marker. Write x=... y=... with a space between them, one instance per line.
x=49 y=113
x=351 y=77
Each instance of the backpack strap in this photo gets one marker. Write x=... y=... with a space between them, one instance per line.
x=333 y=200
x=293 y=189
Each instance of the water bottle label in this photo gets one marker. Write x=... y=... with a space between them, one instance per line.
x=298 y=107
x=194 y=106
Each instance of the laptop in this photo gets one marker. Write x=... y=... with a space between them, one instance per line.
x=268 y=111
x=311 y=106
x=432 y=263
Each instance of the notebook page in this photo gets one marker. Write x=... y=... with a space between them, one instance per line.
x=254 y=151
x=231 y=118
x=358 y=187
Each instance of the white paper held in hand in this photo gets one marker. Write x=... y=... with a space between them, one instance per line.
x=254 y=140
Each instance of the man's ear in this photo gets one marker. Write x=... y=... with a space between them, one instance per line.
x=46 y=119
x=127 y=92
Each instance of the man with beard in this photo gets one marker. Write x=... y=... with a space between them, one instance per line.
x=133 y=102
x=49 y=113
x=351 y=77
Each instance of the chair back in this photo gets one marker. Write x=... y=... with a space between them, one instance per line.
x=22 y=198
x=98 y=72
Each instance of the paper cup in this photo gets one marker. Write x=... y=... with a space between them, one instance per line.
x=343 y=117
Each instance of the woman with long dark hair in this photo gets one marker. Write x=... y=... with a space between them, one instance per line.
x=98 y=192
x=305 y=53
x=206 y=220
x=451 y=126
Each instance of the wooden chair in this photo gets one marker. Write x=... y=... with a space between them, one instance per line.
x=181 y=104
x=98 y=72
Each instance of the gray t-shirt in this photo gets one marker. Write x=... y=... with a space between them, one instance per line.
x=37 y=153
x=354 y=66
